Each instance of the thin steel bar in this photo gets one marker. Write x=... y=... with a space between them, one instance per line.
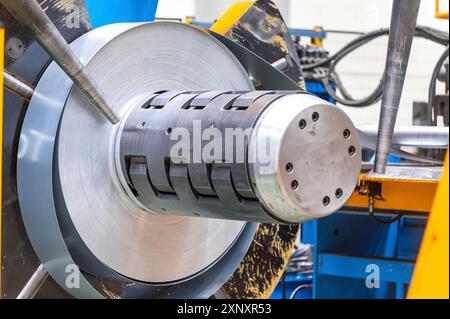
x=30 y=14
x=18 y=87
x=35 y=282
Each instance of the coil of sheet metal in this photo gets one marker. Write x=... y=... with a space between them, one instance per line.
x=93 y=219
x=151 y=55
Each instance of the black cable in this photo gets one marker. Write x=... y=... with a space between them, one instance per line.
x=369 y=100
x=367 y=37
x=432 y=86
x=432 y=34
x=331 y=75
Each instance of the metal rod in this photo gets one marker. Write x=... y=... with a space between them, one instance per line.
x=30 y=14
x=403 y=24
x=18 y=87
x=415 y=136
x=381 y=212
x=35 y=282
x=281 y=64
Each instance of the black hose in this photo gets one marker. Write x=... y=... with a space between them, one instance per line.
x=352 y=45
x=432 y=87
x=330 y=63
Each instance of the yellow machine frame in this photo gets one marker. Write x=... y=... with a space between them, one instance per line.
x=430 y=279
x=397 y=194
x=233 y=14
x=438 y=14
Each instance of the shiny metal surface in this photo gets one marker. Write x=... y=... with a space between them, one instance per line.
x=370 y=142
x=415 y=136
x=30 y=14
x=146 y=247
x=403 y=24
x=408 y=173
x=203 y=185
x=212 y=184
x=316 y=157
x=17 y=86
x=280 y=64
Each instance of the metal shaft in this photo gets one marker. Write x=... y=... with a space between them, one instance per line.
x=415 y=136
x=17 y=86
x=30 y=14
x=281 y=64
x=35 y=282
x=403 y=23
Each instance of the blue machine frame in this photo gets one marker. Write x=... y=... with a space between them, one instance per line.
x=103 y=12
x=348 y=247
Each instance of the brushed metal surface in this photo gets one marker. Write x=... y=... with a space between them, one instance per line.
x=410 y=173
x=137 y=244
x=312 y=173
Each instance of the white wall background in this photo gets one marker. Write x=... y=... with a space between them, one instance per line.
x=363 y=68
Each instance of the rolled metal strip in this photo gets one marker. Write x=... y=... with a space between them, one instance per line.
x=35 y=163
x=35 y=174
x=117 y=233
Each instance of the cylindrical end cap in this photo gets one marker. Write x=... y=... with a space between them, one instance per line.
x=305 y=158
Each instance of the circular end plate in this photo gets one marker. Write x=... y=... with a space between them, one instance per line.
x=317 y=158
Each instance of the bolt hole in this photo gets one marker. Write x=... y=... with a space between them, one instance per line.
x=315 y=116
x=302 y=124
x=326 y=201
x=336 y=232
x=351 y=150
x=169 y=131
x=346 y=134
x=289 y=167
x=294 y=185
x=339 y=193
